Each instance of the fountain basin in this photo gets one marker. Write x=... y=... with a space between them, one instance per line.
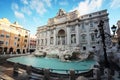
x=54 y=64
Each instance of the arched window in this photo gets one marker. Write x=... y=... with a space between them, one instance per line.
x=92 y=37
x=91 y=23
x=83 y=38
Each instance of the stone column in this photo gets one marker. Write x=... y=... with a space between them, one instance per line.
x=72 y=75
x=65 y=39
x=54 y=42
x=46 y=74
x=68 y=36
x=60 y=40
x=88 y=37
x=43 y=42
x=48 y=37
x=38 y=42
x=77 y=34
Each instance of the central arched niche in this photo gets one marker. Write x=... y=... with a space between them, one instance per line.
x=61 y=32
x=61 y=37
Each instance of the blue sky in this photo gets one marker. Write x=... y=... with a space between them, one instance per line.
x=34 y=13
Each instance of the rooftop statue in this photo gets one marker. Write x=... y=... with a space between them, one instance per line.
x=61 y=12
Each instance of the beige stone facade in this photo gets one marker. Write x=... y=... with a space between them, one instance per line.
x=32 y=45
x=71 y=30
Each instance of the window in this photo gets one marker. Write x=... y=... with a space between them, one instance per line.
x=83 y=37
x=91 y=23
x=90 y=15
x=19 y=35
x=72 y=28
x=6 y=43
x=92 y=37
x=41 y=41
x=17 y=45
x=51 y=40
x=84 y=48
x=7 y=36
x=18 y=39
x=2 y=35
x=26 y=36
x=15 y=37
x=25 y=40
x=93 y=47
x=1 y=42
x=73 y=38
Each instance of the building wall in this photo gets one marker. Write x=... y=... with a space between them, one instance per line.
x=12 y=35
x=71 y=30
x=32 y=45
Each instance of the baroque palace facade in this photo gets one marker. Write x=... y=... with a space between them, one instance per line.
x=13 y=37
x=71 y=30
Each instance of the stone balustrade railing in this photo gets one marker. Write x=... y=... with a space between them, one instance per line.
x=47 y=74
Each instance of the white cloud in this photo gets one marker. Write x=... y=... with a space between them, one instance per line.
x=19 y=15
x=88 y=6
x=48 y=2
x=24 y=1
x=15 y=6
x=16 y=11
x=115 y=4
x=38 y=6
x=26 y=10
x=32 y=6
x=63 y=3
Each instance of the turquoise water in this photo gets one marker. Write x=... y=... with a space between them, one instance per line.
x=53 y=63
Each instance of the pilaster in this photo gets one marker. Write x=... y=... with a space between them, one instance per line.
x=77 y=34
x=54 y=40
x=68 y=35
x=48 y=37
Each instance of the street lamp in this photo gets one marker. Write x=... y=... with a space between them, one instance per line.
x=102 y=35
x=113 y=29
